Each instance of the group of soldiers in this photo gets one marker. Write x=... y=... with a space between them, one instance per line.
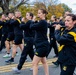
x=27 y=32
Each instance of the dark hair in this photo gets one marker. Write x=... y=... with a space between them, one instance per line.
x=54 y=17
x=4 y=15
x=73 y=16
x=11 y=12
x=44 y=11
x=31 y=14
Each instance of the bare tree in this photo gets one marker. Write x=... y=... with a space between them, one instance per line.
x=5 y=4
x=48 y=2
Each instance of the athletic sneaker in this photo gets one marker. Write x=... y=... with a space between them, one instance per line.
x=7 y=56
x=26 y=60
x=75 y=71
x=15 y=70
x=56 y=64
x=10 y=61
x=17 y=54
x=31 y=69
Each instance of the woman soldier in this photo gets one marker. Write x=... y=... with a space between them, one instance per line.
x=41 y=42
x=28 y=41
x=67 y=41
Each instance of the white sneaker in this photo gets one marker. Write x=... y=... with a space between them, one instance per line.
x=31 y=69
x=75 y=71
x=26 y=60
x=17 y=54
x=15 y=70
x=7 y=56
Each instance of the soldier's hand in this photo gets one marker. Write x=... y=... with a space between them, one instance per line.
x=0 y=19
x=34 y=18
x=14 y=17
x=23 y=19
x=7 y=18
x=57 y=27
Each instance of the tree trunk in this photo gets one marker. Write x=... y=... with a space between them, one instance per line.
x=4 y=4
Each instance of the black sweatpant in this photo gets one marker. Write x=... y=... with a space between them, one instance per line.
x=67 y=69
x=3 y=39
x=28 y=50
x=53 y=44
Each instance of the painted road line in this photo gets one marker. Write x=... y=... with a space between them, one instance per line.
x=8 y=68
x=26 y=63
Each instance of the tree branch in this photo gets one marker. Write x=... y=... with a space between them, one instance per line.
x=4 y=4
x=21 y=3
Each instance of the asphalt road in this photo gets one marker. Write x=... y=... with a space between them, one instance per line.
x=7 y=69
